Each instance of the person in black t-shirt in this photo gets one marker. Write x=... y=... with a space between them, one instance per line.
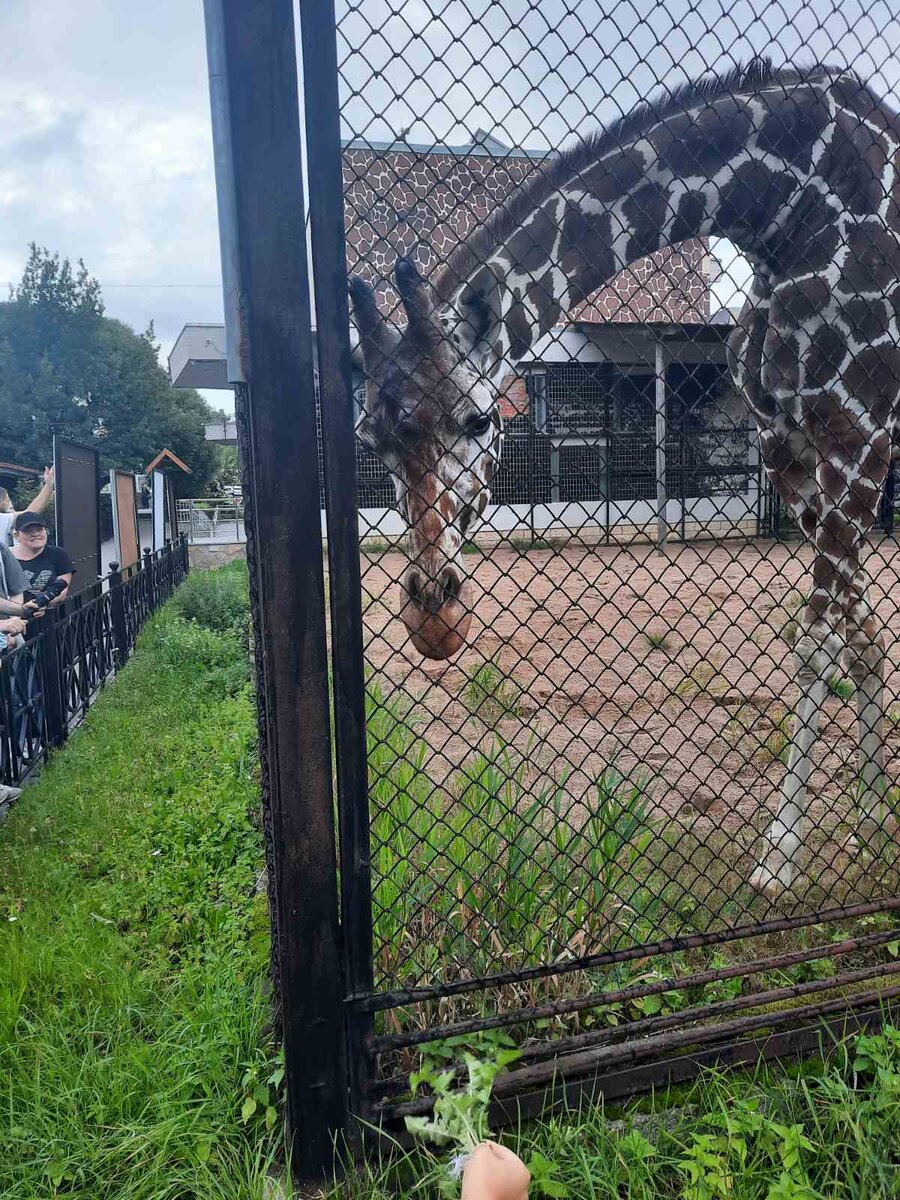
x=40 y=563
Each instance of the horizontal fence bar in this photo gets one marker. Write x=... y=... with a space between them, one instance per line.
x=600 y=999
x=655 y=1024
x=644 y=1077
x=592 y=1061
x=399 y=997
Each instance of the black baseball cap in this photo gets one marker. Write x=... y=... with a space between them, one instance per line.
x=28 y=518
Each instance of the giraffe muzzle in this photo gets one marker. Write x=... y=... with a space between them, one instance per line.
x=436 y=612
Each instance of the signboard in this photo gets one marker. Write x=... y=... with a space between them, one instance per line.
x=78 y=507
x=125 y=521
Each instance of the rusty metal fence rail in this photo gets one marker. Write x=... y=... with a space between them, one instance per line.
x=616 y=764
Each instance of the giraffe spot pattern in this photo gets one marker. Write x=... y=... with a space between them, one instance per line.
x=873 y=378
x=792 y=128
x=873 y=259
x=795 y=302
x=697 y=144
x=853 y=165
x=867 y=318
x=751 y=199
x=825 y=356
x=645 y=210
x=585 y=250
x=692 y=210
x=612 y=176
x=809 y=238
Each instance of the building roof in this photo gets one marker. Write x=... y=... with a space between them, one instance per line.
x=197 y=359
x=166 y=458
x=482 y=145
x=8 y=468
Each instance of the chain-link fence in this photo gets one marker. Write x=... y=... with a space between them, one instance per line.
x=624 y=282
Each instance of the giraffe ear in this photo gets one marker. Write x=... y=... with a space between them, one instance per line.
x=418 y=301
x=377 y=338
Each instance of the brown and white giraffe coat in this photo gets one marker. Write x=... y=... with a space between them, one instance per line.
x=800 y=170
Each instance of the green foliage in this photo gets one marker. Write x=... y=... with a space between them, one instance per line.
x=460 y=1115
x=217 y=600
x=841 y=687
x=134 y=946
x=226 y=472
x=496 y=863
x=657 y=641
x=491 y=695
x=66 y=368
x=809 y=1134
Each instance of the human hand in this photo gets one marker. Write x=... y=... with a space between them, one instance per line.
x=12 y=625
x=49 y=475
x=495 y=1173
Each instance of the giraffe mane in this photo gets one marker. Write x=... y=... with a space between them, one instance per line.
x=558 y=169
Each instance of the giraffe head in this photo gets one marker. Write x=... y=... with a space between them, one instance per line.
x=435 y=423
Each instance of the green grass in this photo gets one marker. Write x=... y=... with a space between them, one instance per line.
x=134 y=1061
x=841 y=687
x=826 y=1129
x=484 y=874
x=133 y=945
x=658 y=641
x=491 y=695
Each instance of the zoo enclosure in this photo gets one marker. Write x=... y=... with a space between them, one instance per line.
x=615 y=937
x=49 y=682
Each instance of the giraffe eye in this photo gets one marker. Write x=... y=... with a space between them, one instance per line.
x=477 y=425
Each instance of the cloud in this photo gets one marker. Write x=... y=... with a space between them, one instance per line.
x=106 y=154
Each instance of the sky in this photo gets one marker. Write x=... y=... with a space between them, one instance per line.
x=105 y=147
x=106 y=154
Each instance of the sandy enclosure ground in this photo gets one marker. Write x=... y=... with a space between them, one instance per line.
x=676 y=666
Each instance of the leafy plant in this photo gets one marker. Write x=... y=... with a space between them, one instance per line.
x=460 y=1115
x=841 y=687
x=491 y=695
x=657 y=641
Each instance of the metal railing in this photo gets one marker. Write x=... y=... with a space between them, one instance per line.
x=211 y=520
x=48 y=683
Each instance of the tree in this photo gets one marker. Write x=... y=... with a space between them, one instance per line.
x=67 y=368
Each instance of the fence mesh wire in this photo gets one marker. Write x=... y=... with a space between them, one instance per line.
x=599 y=803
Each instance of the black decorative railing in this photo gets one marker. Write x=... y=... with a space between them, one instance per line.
x=48 y=683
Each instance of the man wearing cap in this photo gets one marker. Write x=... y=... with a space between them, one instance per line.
x=8 y=514
x=40 y=563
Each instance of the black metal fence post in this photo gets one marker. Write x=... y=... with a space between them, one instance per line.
x=117 y=609
x=277 y=427
x=318 y=34
x=51 y=679
x=148 y=580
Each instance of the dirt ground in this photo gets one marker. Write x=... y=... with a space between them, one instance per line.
x=676 y=666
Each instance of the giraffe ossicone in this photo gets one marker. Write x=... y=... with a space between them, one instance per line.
x=801 y=170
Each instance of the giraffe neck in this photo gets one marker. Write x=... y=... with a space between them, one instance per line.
x=738 y=166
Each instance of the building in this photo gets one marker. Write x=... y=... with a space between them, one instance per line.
x=12 y=474
x=623 y=416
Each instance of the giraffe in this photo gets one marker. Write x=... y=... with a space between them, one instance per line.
x=801 y=170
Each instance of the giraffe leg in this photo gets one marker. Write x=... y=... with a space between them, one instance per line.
x=865 y=654
x=817 y=654
x=790 y=456
x=866 y=663
x=837 y=621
